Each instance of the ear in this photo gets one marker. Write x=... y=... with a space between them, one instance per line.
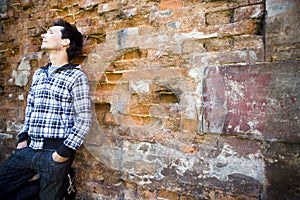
x=65 y=42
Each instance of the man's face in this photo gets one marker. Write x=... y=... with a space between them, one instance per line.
x=52 y=39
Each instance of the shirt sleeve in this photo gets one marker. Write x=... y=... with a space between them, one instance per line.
x=82 y=122
x=23 y=134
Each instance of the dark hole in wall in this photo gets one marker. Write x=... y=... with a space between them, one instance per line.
x=101 y=110
x=168 y=97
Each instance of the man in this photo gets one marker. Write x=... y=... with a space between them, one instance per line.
x=57 y=117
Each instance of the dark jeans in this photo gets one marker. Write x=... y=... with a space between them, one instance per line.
x=22 y=165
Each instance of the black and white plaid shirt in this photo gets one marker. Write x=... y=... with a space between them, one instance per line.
x=58 y=107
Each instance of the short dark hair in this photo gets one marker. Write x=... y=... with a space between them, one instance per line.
x=76 y=40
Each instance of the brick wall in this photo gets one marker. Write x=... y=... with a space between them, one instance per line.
x=191 y=99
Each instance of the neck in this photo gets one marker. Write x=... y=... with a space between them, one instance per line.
x=58 y=59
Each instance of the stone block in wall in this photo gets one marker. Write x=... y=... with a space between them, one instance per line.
x=255 y=101
x=248 y=41
x=249 y=12
x=150 y=74
x=217 y=18
x=228 y=57
x=282 y=30
x=218 y=44
x=246 y=27
x=192 y=45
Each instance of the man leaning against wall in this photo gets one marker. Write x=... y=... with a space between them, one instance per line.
x=57 y=118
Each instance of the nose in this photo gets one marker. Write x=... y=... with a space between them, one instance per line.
x=43 y=35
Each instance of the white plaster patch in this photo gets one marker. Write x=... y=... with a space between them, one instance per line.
x=197 y=73
x=133 y=31
x=185 y=164
x=21 y=79
x=190 y=106
x=231 y=163
x=253 y=55
x=162 y=38
x=21 y=97
x=194 y=35
x=258 y=12
x=140 y=87
x=105 y=7
x=275 y=8
x=237 y=91
x=24 y=65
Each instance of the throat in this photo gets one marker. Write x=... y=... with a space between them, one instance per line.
x=59 y=60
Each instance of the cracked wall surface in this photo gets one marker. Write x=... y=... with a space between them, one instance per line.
x=191 y=99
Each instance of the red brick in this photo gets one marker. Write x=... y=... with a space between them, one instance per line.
x=113 y=77
x=170 y=4
x=190 y=125
x=139 y=109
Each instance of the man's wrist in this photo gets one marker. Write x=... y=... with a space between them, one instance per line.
x=65 y=151
x=22 y=136
x=22 y=144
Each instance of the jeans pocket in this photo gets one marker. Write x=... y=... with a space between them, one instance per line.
x=20 y=150
x=55 y=162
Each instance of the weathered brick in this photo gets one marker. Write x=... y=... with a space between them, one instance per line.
x=164 y=73
x=106 y=7
x=192 y=45
x=238 y=28
x=228 y=57
x=113 y=77
x=190 y=125
x=139 y=109
x=279 y=32
x=217 y=18
x=169 y=4
x=248 y=41
x=218 y=44
x=249 y=12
